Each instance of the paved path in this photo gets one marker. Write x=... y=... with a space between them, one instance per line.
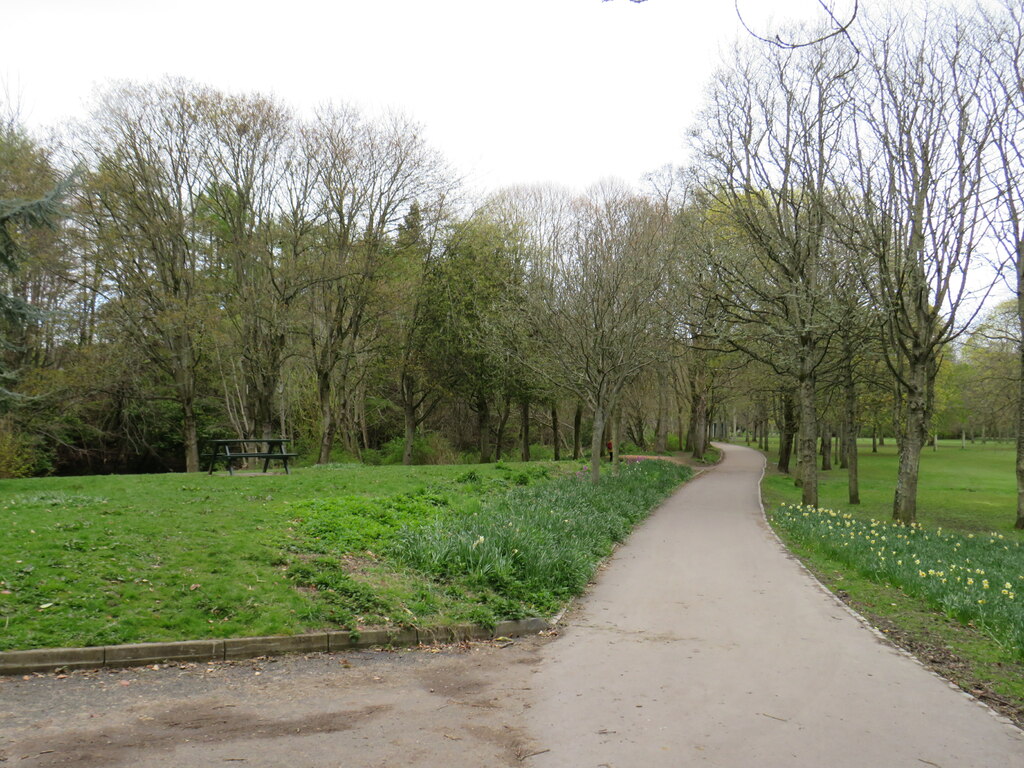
x=704 y=643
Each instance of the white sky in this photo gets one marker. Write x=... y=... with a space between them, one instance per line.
x=511 y=91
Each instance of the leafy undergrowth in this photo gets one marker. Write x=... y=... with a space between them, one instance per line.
x=119 y=559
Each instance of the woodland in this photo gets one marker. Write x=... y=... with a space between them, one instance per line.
x=839 y=258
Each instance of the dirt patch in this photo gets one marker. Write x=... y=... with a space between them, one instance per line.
x=195 y=724
x=442 y=706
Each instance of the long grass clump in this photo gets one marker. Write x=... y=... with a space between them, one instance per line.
x=540 y=543
x=975 y=579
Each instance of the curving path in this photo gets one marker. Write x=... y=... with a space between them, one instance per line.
x=704 y=643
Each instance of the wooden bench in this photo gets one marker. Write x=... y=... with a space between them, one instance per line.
x=230 y=450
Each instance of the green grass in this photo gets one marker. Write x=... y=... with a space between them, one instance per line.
x=540 y=544
x=972 y=490
x=115 y=559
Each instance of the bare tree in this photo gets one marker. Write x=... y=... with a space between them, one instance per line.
x=596 y=309
x=1004 y=47
x=254 y=241
x=145 y=149
x=371 y=173
x=920 y=178
x=769 y=146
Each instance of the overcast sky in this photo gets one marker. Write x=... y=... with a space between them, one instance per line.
x=511 y=91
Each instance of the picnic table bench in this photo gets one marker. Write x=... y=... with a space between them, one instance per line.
x=231 y=450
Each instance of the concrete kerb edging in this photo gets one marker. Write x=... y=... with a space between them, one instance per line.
x=863 y=621
x=234 y=648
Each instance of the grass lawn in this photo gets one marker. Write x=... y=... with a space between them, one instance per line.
x=972 y=490
x=952 y=592
x=114 y=559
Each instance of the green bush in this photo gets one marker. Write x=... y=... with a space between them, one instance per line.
x=20 y=454
x=541 y=452
x=429 y=448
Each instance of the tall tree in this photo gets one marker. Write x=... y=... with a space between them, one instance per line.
x=145 y=148
x=596 y=308
x=1005 y=49
x=30 y=200
x=371 y=173
x=257 y=249
x=768 y=147
x=920 y=178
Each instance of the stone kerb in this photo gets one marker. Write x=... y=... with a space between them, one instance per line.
x=235 y=648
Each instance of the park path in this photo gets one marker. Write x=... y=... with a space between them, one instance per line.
x=701 y=644
x=705 y=643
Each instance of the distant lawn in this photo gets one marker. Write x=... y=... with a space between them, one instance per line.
x=972 y=490
x=134 y=558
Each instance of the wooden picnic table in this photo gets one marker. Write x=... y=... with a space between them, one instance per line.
x=234 y=449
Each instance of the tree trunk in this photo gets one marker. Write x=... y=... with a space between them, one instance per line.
x=699 y=425
x=409 y=410
x=483 y=425
x=597 y=445
x=1019 y=524
x=327 y=423
x=904 y=509
x=661 y=429
x=615 y=427
x=826 y=448
x=556 y=433
x=577 y=432
x=524 y=410
x=807 y=442
x=850 y=438
x=503 y=415
x=787 y=431
x=190 y=434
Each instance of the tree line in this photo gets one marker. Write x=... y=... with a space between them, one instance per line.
x=221 y=266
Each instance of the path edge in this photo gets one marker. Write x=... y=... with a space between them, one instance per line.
x=879 y=635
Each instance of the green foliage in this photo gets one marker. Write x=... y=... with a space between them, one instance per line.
x=341 y=598
x=20 y=454
x=973 y=579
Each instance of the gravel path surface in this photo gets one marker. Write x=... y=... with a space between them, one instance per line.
x=702 y=643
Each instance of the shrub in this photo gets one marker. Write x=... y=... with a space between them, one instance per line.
x=20 y=455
